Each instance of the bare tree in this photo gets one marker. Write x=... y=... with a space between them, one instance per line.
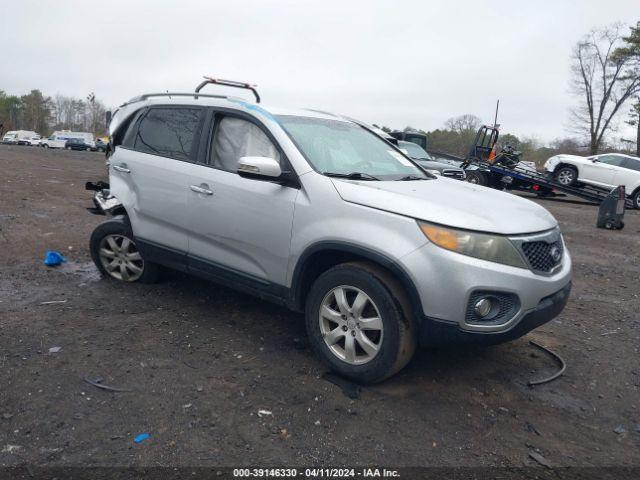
x=604 y=80
x=463 y=124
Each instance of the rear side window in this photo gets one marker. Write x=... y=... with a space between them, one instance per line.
x=170 y=132
x=632 y=164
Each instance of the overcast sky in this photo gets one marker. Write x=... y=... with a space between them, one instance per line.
x=393 y=63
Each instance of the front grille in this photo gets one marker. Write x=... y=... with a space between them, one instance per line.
x=507 y=305
x=543 y=256
x=458 y=174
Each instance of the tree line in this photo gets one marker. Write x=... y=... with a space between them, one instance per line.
x=43 y=114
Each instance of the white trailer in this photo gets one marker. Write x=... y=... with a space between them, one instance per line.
x=59 y=138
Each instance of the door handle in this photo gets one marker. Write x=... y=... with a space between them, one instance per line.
x=202 y=190
x=118 y=168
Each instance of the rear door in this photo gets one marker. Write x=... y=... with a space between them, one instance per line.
x=628 y=174
x=239 y=228
x=150 y=175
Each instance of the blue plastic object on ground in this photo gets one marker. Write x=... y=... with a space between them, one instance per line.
x=141 y=437
x=53 y=258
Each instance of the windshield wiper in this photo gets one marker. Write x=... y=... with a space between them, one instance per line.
x=352 y=175
x=411 y=177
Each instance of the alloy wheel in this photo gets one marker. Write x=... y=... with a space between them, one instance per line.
x=120 y=258
x=565 y=177
x=351 y=325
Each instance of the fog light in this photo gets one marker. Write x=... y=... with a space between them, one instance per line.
x=482 y=307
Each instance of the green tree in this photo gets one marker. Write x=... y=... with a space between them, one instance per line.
x=10 y=111
x=36 y=111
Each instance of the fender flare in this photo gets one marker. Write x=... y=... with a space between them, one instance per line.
x=374 y=256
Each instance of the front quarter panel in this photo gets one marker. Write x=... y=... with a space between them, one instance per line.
x=322 y=216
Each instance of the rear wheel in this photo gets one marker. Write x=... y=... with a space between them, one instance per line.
x=114 y=251
x=477 y=177
x=359 y=322
x=636 y=199
x=566 y=176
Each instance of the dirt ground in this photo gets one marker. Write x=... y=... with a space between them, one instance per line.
x=201 y=361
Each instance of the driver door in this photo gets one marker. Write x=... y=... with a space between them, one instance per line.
x=601 y=171
x=239 y=226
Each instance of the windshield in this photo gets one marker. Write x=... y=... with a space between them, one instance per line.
x=344 y=148
x=414 y=151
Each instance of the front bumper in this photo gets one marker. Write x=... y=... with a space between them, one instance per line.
x=446 y=282
x=433 y=332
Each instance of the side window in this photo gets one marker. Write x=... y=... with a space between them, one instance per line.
x=632 y=164
x=611 y=160
x=235 y=138
x=170 y=132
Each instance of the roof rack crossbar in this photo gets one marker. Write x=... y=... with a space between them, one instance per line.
x=227 y=83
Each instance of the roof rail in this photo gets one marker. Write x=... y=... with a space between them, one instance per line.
x=227 y=83
x=144 y=96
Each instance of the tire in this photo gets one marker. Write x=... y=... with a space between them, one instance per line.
x=88 y=149
x=115 y=236
x=478 y=178
x=566 y=176
x=68 y=148
x=392 y=336
x=45 y=146
x=636 y=199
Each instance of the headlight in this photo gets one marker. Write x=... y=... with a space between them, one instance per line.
x=492 y=248
x=433 y=172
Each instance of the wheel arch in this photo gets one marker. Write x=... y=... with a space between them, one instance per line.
x=322 y=256
x=565 y=164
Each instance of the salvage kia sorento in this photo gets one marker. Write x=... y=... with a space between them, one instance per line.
x=316 y=212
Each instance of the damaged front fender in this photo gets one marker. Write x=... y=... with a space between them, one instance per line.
x=104 y=202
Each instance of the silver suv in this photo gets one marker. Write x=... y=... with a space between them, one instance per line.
x=318 y=213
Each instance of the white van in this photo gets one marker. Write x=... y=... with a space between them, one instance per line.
x=10 y=137
x=59 y=138
x=24 y=137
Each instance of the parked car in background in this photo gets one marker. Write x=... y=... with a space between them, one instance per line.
x=35 y=141
x=316 y=212
x=101 y=144
x=77 y=144
x=59 y=138
x=425 y=161
x=10 y=138
x=606 y=170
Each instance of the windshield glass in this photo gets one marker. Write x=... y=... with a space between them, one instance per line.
x=336 y=147
x=414 y=151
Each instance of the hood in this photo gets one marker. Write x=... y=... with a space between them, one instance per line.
x=432 y=164
x=450 y=203
x=565 y=156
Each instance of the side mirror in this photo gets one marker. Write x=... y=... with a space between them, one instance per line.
x=259 y=167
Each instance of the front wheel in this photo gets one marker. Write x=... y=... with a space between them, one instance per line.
x=477 y=177
x=566 y=176
x=359 y=322
x=114 y=251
